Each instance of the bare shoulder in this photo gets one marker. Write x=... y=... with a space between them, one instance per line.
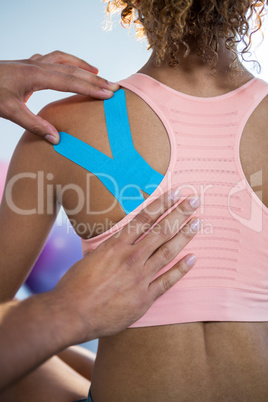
x=80 y=116
x=73 y=113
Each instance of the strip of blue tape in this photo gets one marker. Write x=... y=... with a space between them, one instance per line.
x=127 y=172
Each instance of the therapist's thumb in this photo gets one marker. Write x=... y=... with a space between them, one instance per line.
x=35 y=124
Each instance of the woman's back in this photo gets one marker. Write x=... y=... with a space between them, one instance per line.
x=203 y=360
x=194 y=361
x=185 y=361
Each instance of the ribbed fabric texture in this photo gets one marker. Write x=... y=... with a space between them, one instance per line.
x=230 y=279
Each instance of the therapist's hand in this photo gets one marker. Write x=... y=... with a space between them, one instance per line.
x=102 y=294
x=56 y=70
x=113 y=286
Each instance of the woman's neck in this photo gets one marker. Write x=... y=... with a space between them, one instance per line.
x=192 y=72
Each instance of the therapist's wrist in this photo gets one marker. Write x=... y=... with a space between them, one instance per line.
x=70 y=327
x=53 y=320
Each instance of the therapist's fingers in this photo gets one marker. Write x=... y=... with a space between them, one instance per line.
x=165 y=281
x=58 y=71
x=68 y=64
x=144 y=220
x=35 y=56
x=167 y=227
x=21 y=115
x=72 y=79
x=169 y=250
x=58 y=57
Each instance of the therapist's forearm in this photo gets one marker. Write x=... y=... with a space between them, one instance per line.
x=103 y=293
x=31 y=331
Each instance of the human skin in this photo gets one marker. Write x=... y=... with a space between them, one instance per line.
x=196 y=361
x=57 y=70
x=19 y=79
x=80 y=309
x=201 y=361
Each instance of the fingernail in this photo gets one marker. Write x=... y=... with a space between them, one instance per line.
x=51 y=138
x=191 y=260
x=175 y=195
x=194 y=201
x=113 y=84
x=107 y=91
x=195 y=225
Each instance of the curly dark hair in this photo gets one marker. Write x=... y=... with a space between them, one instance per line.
x=172 y=24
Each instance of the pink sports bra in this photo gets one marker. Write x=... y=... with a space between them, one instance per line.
x=230 y=279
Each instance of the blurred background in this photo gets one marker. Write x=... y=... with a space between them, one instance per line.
x=37 y=26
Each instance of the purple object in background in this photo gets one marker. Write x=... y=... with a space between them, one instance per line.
x=60 y=252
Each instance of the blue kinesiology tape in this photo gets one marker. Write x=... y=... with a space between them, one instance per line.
x=127 y=172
